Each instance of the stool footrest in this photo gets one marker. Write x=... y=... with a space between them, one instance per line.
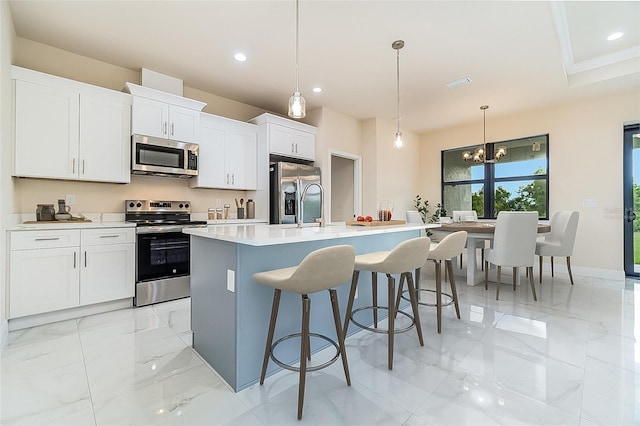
x=449 y=303
x=378 y=330
x=294 y=368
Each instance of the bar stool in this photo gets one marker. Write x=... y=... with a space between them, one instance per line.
x=447 y=249
x=321 y=269
x=405 y=257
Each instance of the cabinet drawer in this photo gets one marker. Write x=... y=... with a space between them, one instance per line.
x=94 y=237
x=29 y=240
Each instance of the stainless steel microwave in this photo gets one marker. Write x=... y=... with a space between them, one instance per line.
x=163 y=157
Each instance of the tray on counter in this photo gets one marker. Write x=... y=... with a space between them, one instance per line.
x=73 y=219
x=376 y=223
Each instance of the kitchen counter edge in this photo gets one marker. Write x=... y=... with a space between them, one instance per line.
x=69 y=225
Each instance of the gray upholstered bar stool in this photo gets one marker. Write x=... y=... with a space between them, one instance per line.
x=403 y=259
x=447 y=249
x=321 y=269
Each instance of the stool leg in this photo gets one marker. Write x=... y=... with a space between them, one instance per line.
x=540 y=268
x=551 y=266
x=569 y=269
x=439 y=294
x=515 y=271
x=272 y=327
x=533 y=287
x=486 y=275
x=414 y=305
x=336 y=319
x=499 y=271
x=392 y=315
x=352 y=296
x=417 y=283
x=374 y=293
x=304 y=348
x=454 y=291
x=400 y=287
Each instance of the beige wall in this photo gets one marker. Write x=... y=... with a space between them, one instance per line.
x=585 y=162
x=7 y=49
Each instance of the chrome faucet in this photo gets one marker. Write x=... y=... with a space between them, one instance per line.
x=302 y=198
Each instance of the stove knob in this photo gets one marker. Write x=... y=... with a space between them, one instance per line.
x=181 y=205
x=186 y=206
x=131 y=205
x=139 y=205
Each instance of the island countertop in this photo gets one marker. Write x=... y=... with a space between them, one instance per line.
x=265 y=235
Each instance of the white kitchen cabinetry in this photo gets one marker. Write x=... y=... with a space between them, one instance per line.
x=288 y=138
x=227 y=155
x=69 y=130
x=51 y=270
x=164 y=115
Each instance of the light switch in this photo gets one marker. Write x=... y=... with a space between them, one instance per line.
x=70 y=199
x=590 y=202
x=231 y=280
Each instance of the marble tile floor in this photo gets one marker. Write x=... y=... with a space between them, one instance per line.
x=571 y=358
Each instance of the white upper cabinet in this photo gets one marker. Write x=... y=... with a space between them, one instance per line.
x=69 y=130
x=288 y=138
x=227 y=154
x=164 y=115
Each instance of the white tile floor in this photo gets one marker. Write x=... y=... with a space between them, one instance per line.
x=571 y=358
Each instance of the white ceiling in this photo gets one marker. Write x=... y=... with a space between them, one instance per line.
x=519 y=55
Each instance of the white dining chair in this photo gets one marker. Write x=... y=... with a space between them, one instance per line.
x=560 y=241
x=413 y=216
x=514 y=245
x=469 y=216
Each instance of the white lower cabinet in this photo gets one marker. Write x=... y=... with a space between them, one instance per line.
x=52 y=270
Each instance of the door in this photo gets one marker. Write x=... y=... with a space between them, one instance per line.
x=631 y=216
x=342 y=189
x=184 y=124
x=107 y=273
x=162 y=255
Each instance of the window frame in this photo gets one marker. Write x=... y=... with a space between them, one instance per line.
x=489 y=181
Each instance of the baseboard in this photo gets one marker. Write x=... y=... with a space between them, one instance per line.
x=66 y=314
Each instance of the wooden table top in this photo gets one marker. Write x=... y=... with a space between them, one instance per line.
x=483 y=227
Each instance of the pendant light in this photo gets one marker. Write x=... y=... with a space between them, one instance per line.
x=296 y=101
x=478 y=155
x=397 y=45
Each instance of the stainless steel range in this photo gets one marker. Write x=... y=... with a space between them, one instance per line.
x=162 y=250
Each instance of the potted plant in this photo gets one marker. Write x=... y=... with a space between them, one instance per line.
x=422 y=206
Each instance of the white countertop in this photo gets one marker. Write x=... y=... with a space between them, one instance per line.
x=70 y=225
x=265 y=235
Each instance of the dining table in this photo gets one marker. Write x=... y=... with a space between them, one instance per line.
x=481 y=230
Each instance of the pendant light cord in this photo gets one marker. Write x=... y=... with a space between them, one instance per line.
x=398 y=87
x=297 y=45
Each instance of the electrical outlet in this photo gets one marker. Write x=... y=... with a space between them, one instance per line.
x=70 y=199
x=231 y=280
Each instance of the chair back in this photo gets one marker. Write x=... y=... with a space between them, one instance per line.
x=413 y=216
x=407 y=256
x=323 y=269
x=465 y=216
x=564 y=227
x=514 y=241
x=449 y=247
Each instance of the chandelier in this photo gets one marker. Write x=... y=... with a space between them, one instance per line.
x=479 y=155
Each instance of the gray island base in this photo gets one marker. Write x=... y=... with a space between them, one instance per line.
x=230 y=312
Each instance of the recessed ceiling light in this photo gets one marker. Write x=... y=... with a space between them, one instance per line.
x=240 y=57
x=615 y=36
x=459 y=82
x=316 y=89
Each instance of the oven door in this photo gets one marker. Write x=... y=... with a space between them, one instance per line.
x=162 y=255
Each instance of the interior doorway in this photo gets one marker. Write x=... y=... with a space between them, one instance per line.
x=631 y=170
x=346 y=191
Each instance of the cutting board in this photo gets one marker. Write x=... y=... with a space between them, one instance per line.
x=73 y=220
x=376 y=223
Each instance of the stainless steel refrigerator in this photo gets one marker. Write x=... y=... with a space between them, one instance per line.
x=287 y=182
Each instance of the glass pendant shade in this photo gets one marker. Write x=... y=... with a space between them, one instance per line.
x=297 y=106
x=399 y=142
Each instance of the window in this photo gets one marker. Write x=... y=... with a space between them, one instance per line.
x=519 y=181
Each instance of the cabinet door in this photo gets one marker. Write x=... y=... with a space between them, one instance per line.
x=46 y=131
x=149 y=117
x=281 y=140
x=240 y=158
x=184 y=124
x=211 y=155
x=43 y=280
x=107 y=273
x=304 y=145
x=104 y=140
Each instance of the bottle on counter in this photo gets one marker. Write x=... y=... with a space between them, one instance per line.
x=251 y=209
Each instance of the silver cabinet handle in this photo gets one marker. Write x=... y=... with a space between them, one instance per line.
x=227 y=178
x=292 y=147
x=82 y=166
x=108 y=236
x=74 y=260
x=173 y=128
x=164 y=132
x=296 y=148
x=233 y=179
x=73 y=167
x=48 y=239
x=85 y=258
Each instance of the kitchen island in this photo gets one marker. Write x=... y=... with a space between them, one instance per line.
x=230 y=312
